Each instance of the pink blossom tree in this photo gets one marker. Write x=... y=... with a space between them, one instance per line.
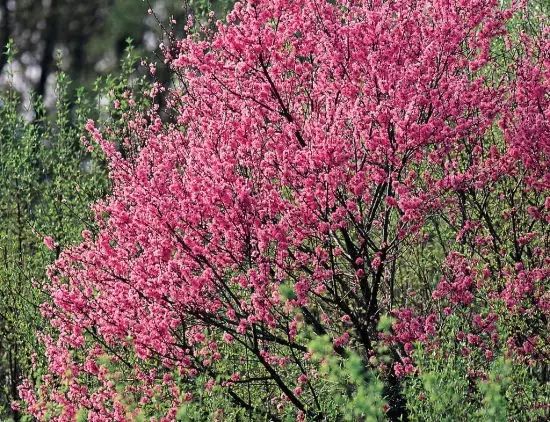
x=307 y=152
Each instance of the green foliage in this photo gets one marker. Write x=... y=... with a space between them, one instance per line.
x=439 y=392
x=450 y=387
x=351 y=392
x=287 y=292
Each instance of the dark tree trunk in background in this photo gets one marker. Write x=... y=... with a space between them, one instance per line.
x=14 y=380
x=50 y=38
x=5 y=31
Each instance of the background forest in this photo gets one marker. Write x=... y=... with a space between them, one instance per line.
x=290 y=210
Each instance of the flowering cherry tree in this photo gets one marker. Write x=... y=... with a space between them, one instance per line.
x=305 y=158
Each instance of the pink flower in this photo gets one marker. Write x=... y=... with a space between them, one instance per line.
x=342 y=340
x=50 y=243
